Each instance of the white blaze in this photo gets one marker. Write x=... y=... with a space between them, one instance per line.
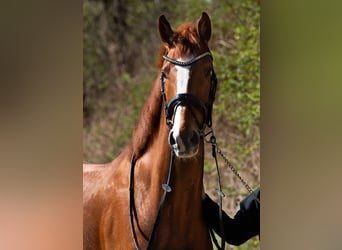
x=183 y=75
x=182 y=78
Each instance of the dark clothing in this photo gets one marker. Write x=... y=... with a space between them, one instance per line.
x=246 y=222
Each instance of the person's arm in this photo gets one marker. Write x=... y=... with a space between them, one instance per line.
x=246 y=222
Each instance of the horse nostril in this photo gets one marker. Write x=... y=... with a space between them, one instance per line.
x=172 y=140
x=194 y=139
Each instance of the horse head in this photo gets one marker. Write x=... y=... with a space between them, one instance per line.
x=188 y=83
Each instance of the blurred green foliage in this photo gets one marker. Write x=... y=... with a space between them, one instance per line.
x=120 y=48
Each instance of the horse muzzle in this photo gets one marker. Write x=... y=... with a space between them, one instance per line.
x=185 y=144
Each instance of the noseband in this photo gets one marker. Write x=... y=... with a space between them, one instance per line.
x=189 y=100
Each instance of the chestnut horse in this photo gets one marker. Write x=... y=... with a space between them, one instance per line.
x=150 y=196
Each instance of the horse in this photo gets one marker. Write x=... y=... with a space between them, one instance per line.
x=150 y=196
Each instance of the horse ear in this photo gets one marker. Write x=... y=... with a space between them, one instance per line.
x=165 y=30
x=204 y=27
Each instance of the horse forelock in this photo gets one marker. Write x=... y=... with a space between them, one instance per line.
x=187 y=38
x=187 y=42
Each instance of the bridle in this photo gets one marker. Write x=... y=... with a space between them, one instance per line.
x=190 y=101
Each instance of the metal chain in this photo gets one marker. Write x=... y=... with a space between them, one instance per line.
x=227 y=162
x=232 y=168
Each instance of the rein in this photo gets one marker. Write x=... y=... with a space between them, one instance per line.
x=231 y=167
x=132 y=209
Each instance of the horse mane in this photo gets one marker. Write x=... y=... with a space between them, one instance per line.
x=187 y=39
